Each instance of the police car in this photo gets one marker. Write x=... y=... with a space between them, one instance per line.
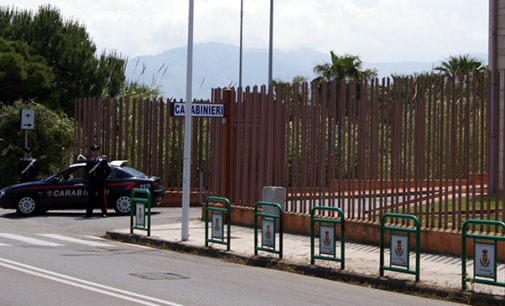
x=67 y=189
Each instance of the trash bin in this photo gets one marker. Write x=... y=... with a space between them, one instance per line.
x=274 y=194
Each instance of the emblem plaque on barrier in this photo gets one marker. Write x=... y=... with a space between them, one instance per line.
x=268 y=232
x=140 y=217
x=399 y=255
x=217 y=226
x=485 y=260
x=327 y=240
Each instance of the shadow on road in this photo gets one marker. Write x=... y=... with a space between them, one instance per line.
x=75 y=215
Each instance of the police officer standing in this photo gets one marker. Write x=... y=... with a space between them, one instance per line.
x=97 y=170
x=28 y=167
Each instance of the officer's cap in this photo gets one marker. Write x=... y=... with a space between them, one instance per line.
x=95 y=148
x=28 y=150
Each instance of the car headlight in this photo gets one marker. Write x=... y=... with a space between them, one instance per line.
x=2 y=194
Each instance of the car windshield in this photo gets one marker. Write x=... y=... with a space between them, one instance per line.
x=69 y=174
x=134 y=172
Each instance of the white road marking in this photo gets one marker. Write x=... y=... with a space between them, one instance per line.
x=75 y=240
x=4 y=244
x=137 y=246
x=122 y=243
x=76 y=282
x=29 y=240
x=95 y=237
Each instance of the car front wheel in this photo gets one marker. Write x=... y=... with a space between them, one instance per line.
x=27 y=205
x=122 y=204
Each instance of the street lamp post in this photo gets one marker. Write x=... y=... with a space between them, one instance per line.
x=240 y=56
x=270 y=51
x=187 y=130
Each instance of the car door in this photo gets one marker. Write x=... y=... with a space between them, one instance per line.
x=70 y=189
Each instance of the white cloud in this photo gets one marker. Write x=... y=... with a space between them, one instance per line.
x=378 y=30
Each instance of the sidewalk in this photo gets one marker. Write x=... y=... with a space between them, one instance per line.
x=439 y=274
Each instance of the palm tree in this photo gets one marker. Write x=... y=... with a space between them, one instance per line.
x=342 y=67
x=464 y=64
x=461 y=64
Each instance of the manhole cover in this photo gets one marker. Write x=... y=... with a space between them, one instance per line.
x=159 y=276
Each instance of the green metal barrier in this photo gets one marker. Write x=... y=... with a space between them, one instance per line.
x=486 y=265
x=217 y=222
x=398 y=257
x=140 y=208
x=268 y=236
x=331 y=241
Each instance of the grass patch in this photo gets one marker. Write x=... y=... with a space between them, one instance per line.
x=444 y=214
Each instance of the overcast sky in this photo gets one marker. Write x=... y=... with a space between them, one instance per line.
x=376 y=30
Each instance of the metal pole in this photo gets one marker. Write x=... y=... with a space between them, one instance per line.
x=26 y=138
x=494 y=72
x=240 y=56
x=270 y=52
x=187 y=129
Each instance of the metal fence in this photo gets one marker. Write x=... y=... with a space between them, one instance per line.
x=403 y=145
x=142 y=132
x=409 y=145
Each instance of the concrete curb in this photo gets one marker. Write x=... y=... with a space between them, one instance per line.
x=377 y=282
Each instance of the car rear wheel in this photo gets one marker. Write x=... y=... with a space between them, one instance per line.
x=122 y=204
x=27 y=205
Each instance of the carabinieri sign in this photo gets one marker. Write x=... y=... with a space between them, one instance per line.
x=198 y=110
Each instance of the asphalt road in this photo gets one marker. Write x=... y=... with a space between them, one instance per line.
x=56 y=259
x=71 y=220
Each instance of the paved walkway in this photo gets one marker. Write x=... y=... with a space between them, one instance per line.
x=438 y=273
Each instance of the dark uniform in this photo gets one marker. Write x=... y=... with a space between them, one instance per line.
x=96 y=183
x=28 y=174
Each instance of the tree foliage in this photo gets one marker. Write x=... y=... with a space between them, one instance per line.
x=21 y=74
x=296 y=82
x=51 y=140
x=343 y=67
x=69 y=53
x=461 y=64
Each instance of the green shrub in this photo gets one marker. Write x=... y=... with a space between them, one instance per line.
x=51 y=140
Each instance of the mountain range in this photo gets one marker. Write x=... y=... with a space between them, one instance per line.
x=217 y=65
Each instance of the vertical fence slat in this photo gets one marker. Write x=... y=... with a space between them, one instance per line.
x=431 y=159
x=313 y=151
x=76 y=126
x=304 y=148
x=248 y=127
x=295 y=128
x=146 y=154
x=99 y=122
x=323 y=146
x=194 y=150
x=501 y=134
x=332 y=138
x=180 y=142
x=269 y=137
x=407 y=160
x=461 y=145
x=241 y=126
x=91 y=126
x=127 y=125
x=161 y=121
x=168 y=152
x=107 y=128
